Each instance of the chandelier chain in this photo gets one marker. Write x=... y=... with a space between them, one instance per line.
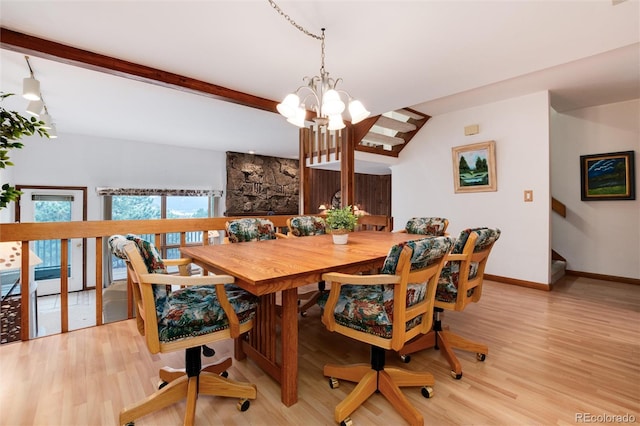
x=302 y=29
x=292 y=22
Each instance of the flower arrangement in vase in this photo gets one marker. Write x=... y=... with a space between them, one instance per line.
x=340 y=222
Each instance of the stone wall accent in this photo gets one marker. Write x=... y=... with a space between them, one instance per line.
x=10 y=318
x=260 y=185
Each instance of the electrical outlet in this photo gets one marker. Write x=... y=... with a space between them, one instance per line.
x=528 y=195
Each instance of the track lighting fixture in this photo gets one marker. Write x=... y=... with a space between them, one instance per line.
x=46 y=119
x=30 y=86
x=36 y=106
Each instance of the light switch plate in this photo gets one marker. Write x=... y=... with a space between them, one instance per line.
x=528 y=195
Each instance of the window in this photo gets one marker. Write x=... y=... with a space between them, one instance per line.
x=141 y=204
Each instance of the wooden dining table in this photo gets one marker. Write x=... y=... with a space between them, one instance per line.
x=265 y=268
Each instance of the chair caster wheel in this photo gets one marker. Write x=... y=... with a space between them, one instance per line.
x=347 y=422
x=481 y=357
x=243 y=404
x=224 y=374
x=427 y=391
x=456 y=375
x=162 y=384
x=405 y=358
x=334 y=383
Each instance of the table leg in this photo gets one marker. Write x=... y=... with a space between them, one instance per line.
x=289 y=337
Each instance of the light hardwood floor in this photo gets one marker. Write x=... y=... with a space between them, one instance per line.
x=553 y=357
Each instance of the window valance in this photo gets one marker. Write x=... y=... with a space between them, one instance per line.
x=165 y=192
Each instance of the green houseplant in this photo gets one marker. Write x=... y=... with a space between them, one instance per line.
x=341 y=221
x=14 y=127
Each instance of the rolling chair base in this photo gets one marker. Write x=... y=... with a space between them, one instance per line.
x=376 y=378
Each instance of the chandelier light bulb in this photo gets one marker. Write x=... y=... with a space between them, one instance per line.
x=331 y=103
x=298 y=117
x=289 y=106
x=357 y=111
x=335 y=122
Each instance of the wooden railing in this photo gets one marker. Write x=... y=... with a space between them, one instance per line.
x=320 y=147
x=558 y=207
x=98 y=231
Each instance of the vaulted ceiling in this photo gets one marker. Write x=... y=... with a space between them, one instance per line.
x=431 y=56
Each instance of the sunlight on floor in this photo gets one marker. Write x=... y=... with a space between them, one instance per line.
x=82 y=312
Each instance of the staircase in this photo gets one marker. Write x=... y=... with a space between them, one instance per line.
x=389 y=133
x=558 y=263
x=558 y=266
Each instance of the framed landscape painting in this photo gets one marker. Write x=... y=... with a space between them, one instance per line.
x=608 y=176
x=474 y=167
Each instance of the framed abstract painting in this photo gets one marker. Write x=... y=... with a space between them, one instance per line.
x=608 y=176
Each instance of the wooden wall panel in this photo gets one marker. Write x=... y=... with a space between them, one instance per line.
x=372 y=192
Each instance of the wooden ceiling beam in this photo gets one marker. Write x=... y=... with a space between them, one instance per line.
x=39 y=47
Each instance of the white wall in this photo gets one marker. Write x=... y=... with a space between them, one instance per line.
x=601 y=237
x=422 y=183
x=74 y=160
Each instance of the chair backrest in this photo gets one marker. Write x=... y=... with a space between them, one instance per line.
x=250 y=229
x=432 y=226
x=304 y=226
x=371 y=222
x=419 y=264
x=141 y=254
x=410 y=275
x=461 y=279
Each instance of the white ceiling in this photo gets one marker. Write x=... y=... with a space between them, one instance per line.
x=434 y=56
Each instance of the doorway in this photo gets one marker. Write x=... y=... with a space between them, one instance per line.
x=55 y=204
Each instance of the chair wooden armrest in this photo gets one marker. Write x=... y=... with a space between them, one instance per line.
x=182 y=264
x=177 y=262
x=340 y=278
x=281 y=235
x=459 y=256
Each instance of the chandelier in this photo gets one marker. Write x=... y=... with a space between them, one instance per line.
x=320 y=94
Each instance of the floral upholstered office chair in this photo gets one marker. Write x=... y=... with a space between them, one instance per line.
x=385 y=310
x=249 y=229
x=432 y=226
x=305 y=226
x=204 y=309
x=460 y=283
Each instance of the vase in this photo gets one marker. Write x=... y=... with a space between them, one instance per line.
x=340 y=238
